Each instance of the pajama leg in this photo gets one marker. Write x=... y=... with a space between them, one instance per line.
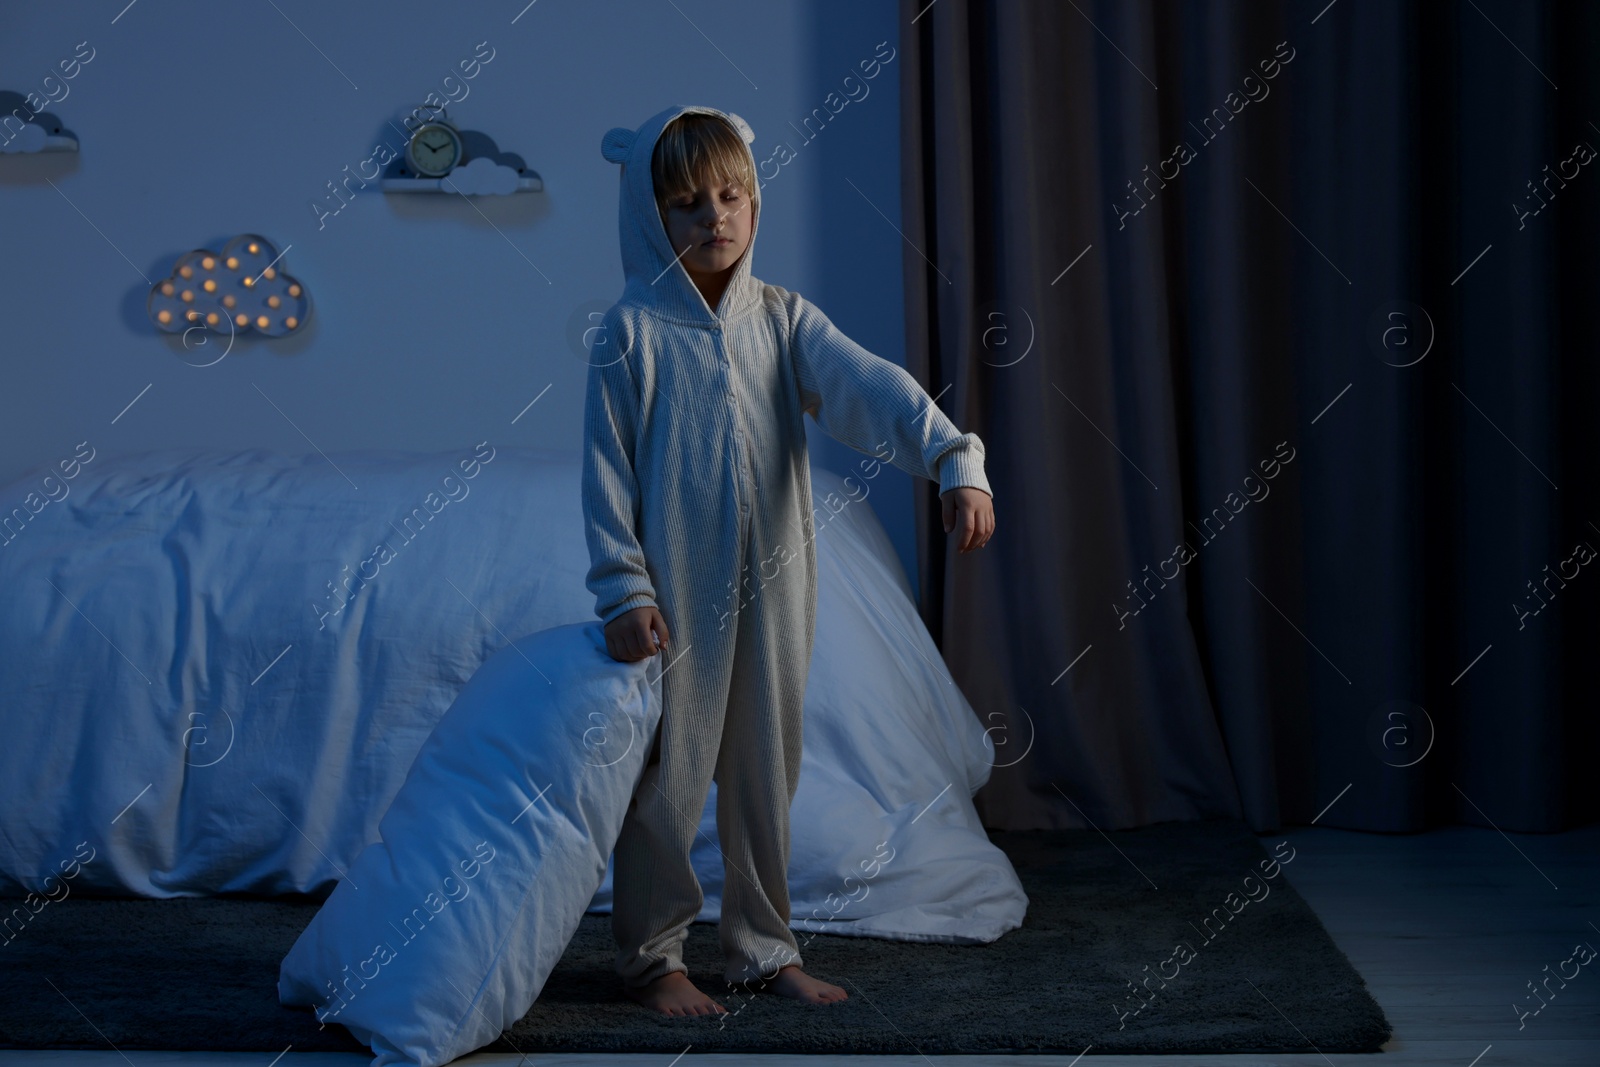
x=758 y=768
x=655 y=892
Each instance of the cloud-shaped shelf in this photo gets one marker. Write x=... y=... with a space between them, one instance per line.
x=243 y=288
x=26 y=131
x=487 y=172
x=33 y=137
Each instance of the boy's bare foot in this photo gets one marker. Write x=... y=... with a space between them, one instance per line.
x=791 y=981
x=674 y=994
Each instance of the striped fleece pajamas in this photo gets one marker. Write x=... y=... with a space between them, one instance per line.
x=697 y=497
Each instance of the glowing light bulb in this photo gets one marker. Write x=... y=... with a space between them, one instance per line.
x=186 y=270
x=254 y=248
x=271 y=272
x=233 y=262
x=212 y=318
x=249 y=283
x=294 y=290
x=188 y=296
x=192 y=315
x=242 y=320
x=291 y=322
x=163 y=317
x=261 y=321
x=208 y=263
x=210 y=286
x=166 y=289
x=273 y=301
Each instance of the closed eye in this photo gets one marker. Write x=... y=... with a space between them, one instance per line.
x=692 y=201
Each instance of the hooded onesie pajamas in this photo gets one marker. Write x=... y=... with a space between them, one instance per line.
x=697 y=497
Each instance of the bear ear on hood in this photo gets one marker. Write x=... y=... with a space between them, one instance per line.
x=743 y=127
x=618 y=143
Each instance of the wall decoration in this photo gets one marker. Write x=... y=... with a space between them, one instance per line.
x=240 y=289
x=440 y=158
x=24 y=130
x=434 y=149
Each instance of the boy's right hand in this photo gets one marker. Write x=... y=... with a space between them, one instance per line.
x=634 y=635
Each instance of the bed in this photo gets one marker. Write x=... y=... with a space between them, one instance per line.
x=222 y=667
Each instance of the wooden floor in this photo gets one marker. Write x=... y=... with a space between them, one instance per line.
x=1448 y=928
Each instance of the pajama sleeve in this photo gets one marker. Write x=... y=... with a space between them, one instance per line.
x=617 y=575
x=864 y=401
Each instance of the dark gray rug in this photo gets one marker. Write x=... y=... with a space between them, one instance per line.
x=1095 y=965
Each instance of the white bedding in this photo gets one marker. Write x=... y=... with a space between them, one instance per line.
x=885 y=841
x=180 y=692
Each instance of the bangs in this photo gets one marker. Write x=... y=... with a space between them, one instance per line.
x=695 y=148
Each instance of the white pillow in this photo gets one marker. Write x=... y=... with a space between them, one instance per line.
x=442 y=934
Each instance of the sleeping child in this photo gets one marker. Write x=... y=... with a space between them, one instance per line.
x=699 y=523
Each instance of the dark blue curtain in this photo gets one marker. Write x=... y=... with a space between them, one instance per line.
x=1277 y=321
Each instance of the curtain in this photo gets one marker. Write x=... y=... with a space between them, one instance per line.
x=1277 y=323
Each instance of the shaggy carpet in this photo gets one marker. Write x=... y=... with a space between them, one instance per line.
x=1177 y=937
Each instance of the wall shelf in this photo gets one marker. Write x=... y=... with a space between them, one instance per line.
x=31 y=140
x=528 y=182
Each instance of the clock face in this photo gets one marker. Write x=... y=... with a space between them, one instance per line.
x=433 y=150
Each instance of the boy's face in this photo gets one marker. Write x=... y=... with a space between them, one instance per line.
x=709 y=227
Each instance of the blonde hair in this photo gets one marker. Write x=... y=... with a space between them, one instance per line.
x=696 y=147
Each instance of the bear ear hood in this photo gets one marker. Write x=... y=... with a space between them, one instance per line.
x=656 y=278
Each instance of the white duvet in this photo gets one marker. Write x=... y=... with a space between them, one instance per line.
x=184 y=690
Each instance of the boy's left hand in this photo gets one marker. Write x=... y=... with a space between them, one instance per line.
x=970 y=513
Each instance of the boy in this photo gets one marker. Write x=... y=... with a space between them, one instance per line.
x=695 y=480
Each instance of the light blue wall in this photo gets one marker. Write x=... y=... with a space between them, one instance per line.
x=435 y=320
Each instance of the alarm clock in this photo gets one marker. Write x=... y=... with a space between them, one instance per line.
x=434 y=149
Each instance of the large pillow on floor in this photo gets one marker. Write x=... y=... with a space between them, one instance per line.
x=441 y=935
